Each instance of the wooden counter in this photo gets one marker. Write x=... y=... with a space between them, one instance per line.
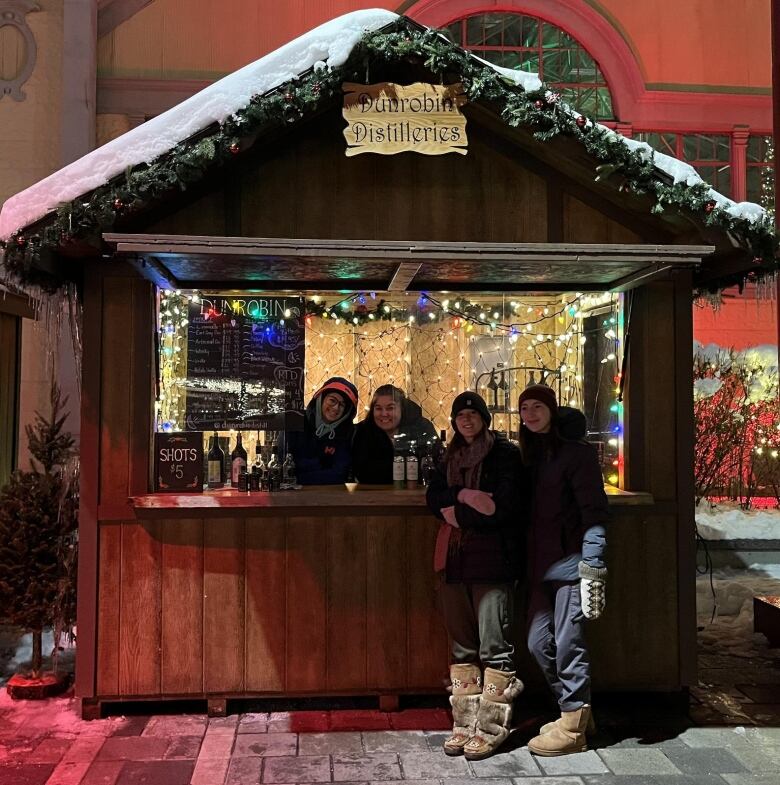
x=320 y=592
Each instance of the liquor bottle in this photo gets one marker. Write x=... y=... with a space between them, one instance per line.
x=243 y=481
x=274 y=471
x=289 y=478
x=237 y=461
x=412 y=468
x=258 y=467
x=427 y=466
x=399 y=465
x=216 y=460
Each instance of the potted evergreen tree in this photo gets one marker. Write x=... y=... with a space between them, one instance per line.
x=38 y=524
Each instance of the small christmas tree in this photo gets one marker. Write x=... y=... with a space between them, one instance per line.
x=37 y=533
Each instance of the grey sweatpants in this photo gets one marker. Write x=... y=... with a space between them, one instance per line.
x=478 y=618
x=556 y=639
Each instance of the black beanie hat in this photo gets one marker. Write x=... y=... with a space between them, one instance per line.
x=470 y=400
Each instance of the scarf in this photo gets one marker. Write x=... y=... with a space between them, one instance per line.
x=464 y=467
x=327 y=430
x=464 y=464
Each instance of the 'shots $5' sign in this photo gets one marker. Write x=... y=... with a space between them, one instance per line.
x=388 y=118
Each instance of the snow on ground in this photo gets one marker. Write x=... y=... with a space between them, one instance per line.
x=731 y=630
x=728 y=522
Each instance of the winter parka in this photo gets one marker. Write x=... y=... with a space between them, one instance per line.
x=492 y=546
x=373 y=452
x=321 y=461
x=570 y=508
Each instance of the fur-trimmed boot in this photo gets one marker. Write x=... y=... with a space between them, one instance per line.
x=567 y=735
x=466 y=688
x=495 y=713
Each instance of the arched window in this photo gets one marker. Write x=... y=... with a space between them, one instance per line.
x=528 y=43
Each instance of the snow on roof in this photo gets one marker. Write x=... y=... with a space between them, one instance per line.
x=328 y=45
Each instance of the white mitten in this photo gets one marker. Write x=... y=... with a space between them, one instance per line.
x=593 y=590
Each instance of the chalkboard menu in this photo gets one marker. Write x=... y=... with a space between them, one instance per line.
x=245 y=359
x=178 y=461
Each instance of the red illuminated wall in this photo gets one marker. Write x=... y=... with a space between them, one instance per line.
x=741 y=322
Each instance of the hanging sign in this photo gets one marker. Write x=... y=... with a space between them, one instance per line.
x=387 y=118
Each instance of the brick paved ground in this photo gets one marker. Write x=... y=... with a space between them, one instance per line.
x=728 y=735
x=638 y=742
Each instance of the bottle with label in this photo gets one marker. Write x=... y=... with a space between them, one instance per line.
x=274 y=471
x=289 y=478
x=412 y=468
x=399 y=466
x=237 y=461
x=216 y=460
x=258 y=467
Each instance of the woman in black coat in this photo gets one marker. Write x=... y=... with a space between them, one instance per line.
x=476 y=493
x=566 y=549
x=393 y=423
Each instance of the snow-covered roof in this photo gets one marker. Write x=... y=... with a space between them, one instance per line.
x=327 y=46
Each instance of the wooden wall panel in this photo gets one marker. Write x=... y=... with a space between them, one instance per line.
x=182 y=606
x=346 y=634
x=10 y=345
x=583 y=224
x=634 y=644
x=386 y=603
x=266 y=623
x=427 y=640
x=307 y=620
x=139 y=607
x=109 y=570
x=304 y=186
x=223 y=611
x=115 y=389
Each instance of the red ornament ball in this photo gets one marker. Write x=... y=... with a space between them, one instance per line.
x=118 y=204
x=288 y=97
x=581 y=122
x=539 y=104
x=235 y=148
x=709 y=207
x=21 y=241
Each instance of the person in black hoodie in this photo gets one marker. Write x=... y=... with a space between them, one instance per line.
x=393 y=423
x=321 y=451
x=566 y=560
x=476 y=493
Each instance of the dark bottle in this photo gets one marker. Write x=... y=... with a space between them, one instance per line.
x=274 y=471
x=216 y=462
x=427 y=465
x=237 y=461
x=243 y=481
x=289 y=478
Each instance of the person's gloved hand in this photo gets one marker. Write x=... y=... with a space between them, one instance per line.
x=449 y=516
x=481 y=501
x=593 y=590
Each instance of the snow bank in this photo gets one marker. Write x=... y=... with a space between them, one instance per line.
x=329 y=44
x=728 y=523
x=731 y=631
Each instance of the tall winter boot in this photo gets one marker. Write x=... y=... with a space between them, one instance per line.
x=495 y=713
x=566 y=736
x=466 y=688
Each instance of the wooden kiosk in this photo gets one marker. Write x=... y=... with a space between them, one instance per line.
x=323 y=592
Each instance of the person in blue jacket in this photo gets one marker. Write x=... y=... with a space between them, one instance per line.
x=322 y=451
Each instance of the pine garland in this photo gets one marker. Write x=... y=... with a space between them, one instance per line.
x=86 y=218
